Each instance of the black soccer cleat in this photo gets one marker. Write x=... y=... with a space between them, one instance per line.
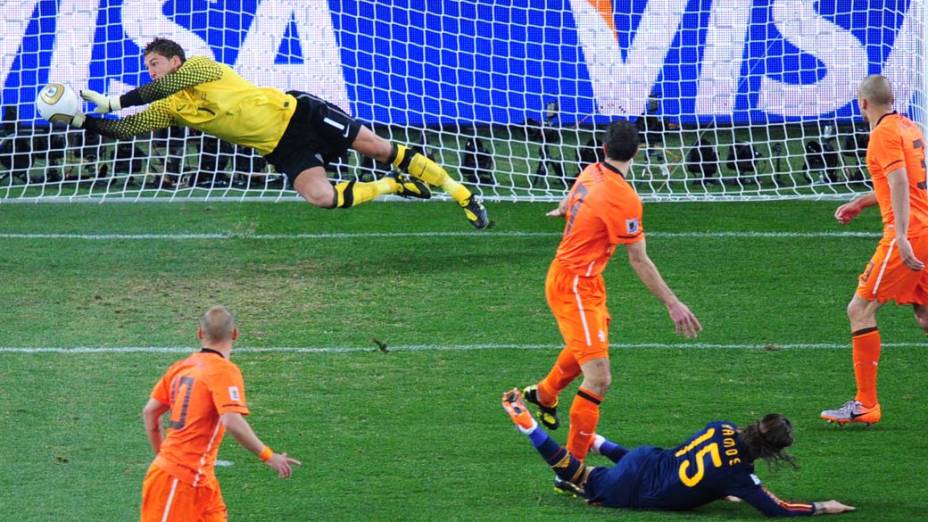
x=546 y=414
x=476 y=213
x=563 y=487
x=410 y=188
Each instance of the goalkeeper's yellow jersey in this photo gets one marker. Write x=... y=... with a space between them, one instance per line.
x=210 y=97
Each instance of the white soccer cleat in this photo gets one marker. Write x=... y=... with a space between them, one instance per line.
x=853 y=411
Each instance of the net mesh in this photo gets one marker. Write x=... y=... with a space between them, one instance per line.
x=735 y=99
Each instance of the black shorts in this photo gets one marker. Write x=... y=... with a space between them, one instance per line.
x=318 y=133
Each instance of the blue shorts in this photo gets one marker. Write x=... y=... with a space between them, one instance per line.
x=617 y=486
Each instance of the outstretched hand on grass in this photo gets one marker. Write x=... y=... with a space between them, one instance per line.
x=282 y=464
x=832 y=507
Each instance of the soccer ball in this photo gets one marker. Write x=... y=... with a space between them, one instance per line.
x=58 y=103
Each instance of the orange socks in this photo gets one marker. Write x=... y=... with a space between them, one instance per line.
x=562 y=373
x=584 y=412
x=866 y=344
x=584 y=416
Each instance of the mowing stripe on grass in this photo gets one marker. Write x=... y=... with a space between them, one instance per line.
x=436 y=348
x=747 y=234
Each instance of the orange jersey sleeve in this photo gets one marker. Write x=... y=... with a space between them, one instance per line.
x=622 y=215
x=228 y=391
x=887 y=151
x=897 y=143
x=162 y=390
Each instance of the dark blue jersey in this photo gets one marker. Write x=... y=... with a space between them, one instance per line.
x=709 y=466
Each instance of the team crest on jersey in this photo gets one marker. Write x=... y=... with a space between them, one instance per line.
x=233 y=393
x=632 y=226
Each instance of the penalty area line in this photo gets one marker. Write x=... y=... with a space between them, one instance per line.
x=77 y=350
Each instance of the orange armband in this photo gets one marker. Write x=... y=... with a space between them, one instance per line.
x=266 y=454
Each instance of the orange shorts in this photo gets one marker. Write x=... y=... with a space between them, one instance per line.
x=886 y=278
x=166 y=498
x=579 y=306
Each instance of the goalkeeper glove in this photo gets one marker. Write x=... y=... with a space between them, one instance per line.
x=78 y=120
x=104 y=104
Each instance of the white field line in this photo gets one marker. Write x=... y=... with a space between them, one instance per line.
x=196 y=236
x=437 y=348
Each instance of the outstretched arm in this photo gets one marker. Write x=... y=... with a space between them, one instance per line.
x=236 y=424
x=197 y=70
x=771 y=506
x=151 y=416
x=685 y=321
x=154 y=117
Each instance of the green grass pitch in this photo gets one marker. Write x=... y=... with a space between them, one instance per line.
x=418 y=434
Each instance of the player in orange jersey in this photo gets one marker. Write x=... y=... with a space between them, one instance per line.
x=896 y=272
x=203 y=395
x=602 y=210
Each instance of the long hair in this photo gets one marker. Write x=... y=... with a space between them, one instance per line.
x=768 y=439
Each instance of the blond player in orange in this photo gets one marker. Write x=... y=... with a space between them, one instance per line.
x=203 y=395
x=602 y=211
x=896 y=272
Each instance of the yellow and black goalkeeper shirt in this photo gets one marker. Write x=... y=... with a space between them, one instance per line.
x=210 y=97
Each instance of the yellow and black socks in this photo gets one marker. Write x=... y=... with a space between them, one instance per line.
x=420 y=167
x=565 y=466
x=866 y=343
x=353 y=193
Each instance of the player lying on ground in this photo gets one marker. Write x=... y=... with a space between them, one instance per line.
x=715 y=463
x=298 y=133
x=203 y=396
x=896 y=272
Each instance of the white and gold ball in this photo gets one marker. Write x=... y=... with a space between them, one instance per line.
x=57 y=102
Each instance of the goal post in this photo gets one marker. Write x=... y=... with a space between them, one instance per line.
x=734 y=99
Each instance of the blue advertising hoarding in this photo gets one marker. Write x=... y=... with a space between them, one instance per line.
x=416 y=62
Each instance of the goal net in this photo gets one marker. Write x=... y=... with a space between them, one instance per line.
x=735 y=99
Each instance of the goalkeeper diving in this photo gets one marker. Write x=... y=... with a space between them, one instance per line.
x=298 y=133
